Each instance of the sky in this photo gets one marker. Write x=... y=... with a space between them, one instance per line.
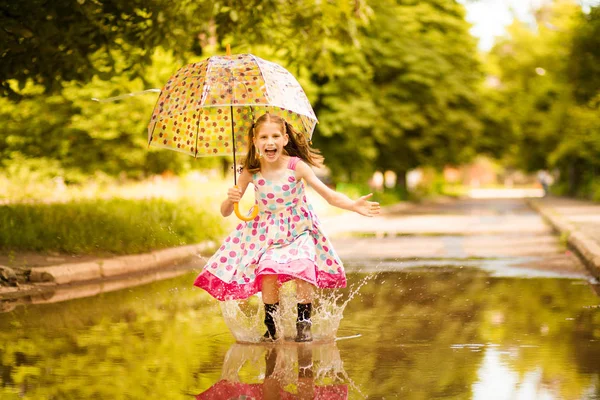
x=489 y=17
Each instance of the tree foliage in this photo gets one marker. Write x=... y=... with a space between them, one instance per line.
x=426 y=85
x=408 y=98
x=548 y=80
x=584 y=66
x=50 y=43
x=75 y=50
x=396 y=84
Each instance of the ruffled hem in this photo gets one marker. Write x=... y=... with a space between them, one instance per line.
x=297 y=269
x=229 y=390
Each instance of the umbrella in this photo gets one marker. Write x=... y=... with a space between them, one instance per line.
x=207 y=108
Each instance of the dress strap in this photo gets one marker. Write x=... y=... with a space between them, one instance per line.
x=293 y=162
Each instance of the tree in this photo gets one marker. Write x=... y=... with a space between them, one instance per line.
x=425 y=85
x=406 y=97
x=50 y=43
x=584 y=63
x=57 y=56
x=548 y=79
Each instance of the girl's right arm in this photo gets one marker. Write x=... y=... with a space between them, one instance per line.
x=361 y=205
x=234 y=194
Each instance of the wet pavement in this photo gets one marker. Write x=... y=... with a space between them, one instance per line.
x=419 y=334
x=506 y=230
x=473 y=299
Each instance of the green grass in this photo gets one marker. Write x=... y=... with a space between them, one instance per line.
x=106 y=216
x=99 y=226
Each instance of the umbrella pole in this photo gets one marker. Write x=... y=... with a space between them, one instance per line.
x=254 y=211
x=233 y=144
x=228 y=53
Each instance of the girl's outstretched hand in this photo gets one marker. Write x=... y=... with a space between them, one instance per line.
x=365 y=207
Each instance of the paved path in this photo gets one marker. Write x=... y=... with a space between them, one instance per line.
x=457 y=232
x=578 y=222
x=486 y=233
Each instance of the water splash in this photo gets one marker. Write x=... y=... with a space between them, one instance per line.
x=245 y=318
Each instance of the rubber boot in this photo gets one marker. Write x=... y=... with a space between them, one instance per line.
x=303 y=323
x=270 y=362
x=305 y=362
x=271 y=333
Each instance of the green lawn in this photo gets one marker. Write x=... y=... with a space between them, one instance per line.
x=107 y=217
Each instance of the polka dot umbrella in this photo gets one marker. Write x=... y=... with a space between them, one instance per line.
x=207 y=108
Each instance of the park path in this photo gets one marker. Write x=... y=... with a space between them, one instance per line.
x=459 y=232
x=503 y=236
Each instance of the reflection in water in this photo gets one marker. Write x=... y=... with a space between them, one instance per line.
x=496 y=376
x=444 y=334
x=283 y=371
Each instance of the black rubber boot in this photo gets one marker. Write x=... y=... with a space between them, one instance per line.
x=305 y=362
x=303 y=323
x=271 y=333
x=270 y=361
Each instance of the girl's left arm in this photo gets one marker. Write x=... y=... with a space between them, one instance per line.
x=361 y=205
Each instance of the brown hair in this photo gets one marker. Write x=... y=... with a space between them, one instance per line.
x=297 y=145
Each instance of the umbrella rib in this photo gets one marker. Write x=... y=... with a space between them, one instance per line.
x=150 y=134
x=263 y=76
x=202 y=98
x=197 y=133
x=310 y=131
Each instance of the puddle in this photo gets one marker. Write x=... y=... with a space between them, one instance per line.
x=419 y=333
x=500 y=267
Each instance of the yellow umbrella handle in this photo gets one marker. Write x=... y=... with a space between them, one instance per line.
x=242 y=217
x=236 y=208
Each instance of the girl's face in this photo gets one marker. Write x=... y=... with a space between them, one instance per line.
x=269 y=141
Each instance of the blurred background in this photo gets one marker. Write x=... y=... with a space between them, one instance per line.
x=414 y=98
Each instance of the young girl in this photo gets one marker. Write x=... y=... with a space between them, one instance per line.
x=285 y=240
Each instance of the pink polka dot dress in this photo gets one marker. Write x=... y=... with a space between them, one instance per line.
x=284 y=239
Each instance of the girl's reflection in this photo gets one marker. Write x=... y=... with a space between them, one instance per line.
x=289 y=371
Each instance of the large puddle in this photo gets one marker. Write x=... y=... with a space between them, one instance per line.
x=421 y=334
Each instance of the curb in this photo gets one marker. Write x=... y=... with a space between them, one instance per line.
x=586 y=248
x=110 y=267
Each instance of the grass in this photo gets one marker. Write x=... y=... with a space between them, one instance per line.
x=105 y=216
x=100 y=226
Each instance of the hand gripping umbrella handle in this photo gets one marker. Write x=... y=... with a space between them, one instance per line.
x=236 y=208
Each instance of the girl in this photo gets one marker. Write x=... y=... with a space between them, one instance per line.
x=285 y=240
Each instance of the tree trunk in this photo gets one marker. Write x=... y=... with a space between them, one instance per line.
x=401 y=184
x=225 y=167
x=574 y=177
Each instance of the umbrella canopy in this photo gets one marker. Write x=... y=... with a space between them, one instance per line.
x=207 y=108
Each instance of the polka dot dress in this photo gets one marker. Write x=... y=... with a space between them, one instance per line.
x=284 y=239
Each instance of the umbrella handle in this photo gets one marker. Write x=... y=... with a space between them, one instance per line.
x=242 y=217
x=236 y=208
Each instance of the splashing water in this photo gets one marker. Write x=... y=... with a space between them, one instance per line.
x=245 y=318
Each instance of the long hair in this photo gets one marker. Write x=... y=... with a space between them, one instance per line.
x=297 y=145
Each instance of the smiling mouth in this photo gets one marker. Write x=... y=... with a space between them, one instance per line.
x=270 y=152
